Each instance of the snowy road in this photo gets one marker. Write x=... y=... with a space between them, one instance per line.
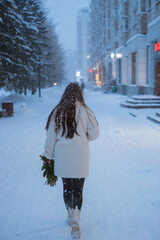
x=121 y=196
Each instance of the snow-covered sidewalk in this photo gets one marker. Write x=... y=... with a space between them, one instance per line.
x=121 y=196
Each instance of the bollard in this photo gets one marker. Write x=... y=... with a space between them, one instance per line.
x=114 y=89
x=9 y=108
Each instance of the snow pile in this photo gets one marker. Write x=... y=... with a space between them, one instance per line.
x=4 y=93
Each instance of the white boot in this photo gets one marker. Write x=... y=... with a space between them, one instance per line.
x=70 y=216
x=75 y=232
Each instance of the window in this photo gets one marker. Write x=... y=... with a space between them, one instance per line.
x=133 y=68
x=116 y=36
x=147 y=80
x=157 y=5
x=104 y=32
x=115 y=12
x=125 y=8
x=125 y=24
x=108 y=23
x=109 y=34
x=110 y=72
x=116 y=24
x=141 y=6
x=149 y=4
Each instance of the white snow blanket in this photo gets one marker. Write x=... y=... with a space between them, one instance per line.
x=121 y=195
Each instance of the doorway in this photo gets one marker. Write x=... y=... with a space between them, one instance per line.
x=157 y=79
x=133 y=68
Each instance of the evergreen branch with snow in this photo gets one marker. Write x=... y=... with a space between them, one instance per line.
x=48 y=171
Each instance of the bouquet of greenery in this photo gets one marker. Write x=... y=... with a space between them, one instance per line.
x=48 y=168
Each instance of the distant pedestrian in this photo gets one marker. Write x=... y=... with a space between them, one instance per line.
x=82 y=86
x=70 y=126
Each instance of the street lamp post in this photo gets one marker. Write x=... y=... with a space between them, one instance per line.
x=78 y=75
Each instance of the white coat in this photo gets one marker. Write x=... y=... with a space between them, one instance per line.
x=72 y=154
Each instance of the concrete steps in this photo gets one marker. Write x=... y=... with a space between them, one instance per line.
x=158 y=114
x=146 y=97
x=140 y=102
x=155 y=118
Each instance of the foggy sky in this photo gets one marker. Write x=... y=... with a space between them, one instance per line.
x=64 y=13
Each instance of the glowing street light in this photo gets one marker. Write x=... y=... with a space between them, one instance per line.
x=78 y=74
x=112 y=55
x=119 y=55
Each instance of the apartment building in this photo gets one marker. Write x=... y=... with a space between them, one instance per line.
x=132 y=58
x=70 y=65
x=83 y=42
x=153 y=45
x=99 y=39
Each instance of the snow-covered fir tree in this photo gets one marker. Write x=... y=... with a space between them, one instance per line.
x=31 y=56
x=13 y=46
x=53 y=69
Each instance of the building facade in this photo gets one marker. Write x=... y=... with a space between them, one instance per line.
x=153 y=46
x=83 y=21
x=70 y=65
x=131 y=53
x=100 y=34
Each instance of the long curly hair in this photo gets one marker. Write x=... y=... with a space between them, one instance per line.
x=65 y=111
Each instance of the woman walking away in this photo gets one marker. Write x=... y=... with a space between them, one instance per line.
x=70 y=126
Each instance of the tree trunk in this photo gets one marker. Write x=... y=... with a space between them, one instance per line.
x=39 y=80
x=25 y=91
